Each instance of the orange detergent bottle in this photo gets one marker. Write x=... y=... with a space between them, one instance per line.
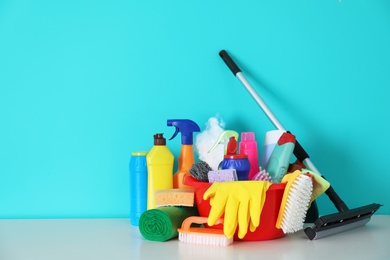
x=186 y=158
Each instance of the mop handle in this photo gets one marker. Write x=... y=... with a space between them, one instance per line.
x=237 y=72
x=299 y=152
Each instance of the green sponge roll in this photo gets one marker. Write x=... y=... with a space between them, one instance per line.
x=161 y=224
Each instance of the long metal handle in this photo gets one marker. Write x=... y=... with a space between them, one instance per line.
x=299 y=152
x=237 y=72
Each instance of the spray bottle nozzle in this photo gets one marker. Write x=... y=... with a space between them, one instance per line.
x=186 y=127
x=232 y=146
x=225 y=135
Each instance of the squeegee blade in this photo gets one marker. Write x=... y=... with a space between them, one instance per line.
x=340 y=222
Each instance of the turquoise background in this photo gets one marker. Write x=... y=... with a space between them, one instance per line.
x=85 y=83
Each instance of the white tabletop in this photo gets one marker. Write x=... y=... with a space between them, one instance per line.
x=116 y=239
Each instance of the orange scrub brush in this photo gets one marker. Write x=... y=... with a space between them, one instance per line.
x=202 y=235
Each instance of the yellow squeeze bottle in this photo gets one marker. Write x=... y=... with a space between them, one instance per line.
x=159 y=162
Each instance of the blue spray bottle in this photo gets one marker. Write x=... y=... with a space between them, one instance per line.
x=186 y=158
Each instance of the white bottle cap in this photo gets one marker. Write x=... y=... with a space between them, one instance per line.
x=272 y=137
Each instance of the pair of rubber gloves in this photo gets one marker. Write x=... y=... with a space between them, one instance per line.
x=240 y=202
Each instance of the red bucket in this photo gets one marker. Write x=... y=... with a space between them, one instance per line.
x=266 y=230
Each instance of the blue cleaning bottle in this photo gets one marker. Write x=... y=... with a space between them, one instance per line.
x=186 y=158
x=138 y=186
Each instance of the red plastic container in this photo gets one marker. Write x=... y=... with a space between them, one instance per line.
x=266 y=230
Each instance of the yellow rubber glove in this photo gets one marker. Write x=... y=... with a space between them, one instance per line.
x=241 y=203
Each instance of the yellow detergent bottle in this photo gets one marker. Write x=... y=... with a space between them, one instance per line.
x=160 y=169
x=186 y=158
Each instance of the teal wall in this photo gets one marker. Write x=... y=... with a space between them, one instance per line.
x=85 y=83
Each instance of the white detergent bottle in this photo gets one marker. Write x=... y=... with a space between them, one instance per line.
x=271 y=138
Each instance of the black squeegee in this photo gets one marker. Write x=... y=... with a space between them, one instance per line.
x=343 y=220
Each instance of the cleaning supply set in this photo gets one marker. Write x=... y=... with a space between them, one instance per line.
x=346 y=218
x=245 y=210
x=240 y=200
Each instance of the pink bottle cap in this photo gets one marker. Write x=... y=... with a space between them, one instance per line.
x=247 y=136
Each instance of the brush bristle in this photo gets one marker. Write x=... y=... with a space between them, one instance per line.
x=297 y=204
x=204 y=239
x=263 y=175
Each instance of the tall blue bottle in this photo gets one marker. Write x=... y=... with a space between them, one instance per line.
x=138 y=186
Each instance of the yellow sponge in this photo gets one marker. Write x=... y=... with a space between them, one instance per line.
x=175 y=197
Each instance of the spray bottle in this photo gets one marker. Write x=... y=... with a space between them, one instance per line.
x=248 y=146
x=159 y=162
x=186 y=158
x=223 y=139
